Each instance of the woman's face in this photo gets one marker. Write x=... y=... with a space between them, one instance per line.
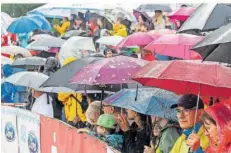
x=156 y=130
x=211 y=130
x=131 y=114
x=109 y=54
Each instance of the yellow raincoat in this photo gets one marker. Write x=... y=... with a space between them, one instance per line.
x=181 y=147
x=63 y=28
x=119 y=30
x=71 y=107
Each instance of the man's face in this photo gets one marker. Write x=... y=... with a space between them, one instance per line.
x=186 y=117
x=140 y=19
x=157 y=14
x=109 y=54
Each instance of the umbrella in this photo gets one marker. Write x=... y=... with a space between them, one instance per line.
x=110 y=40
x=77 y=46
x=137 y=13
x=72 y=33
x=115 y=70
x=5 y=60
x=181 y=14
x=137 y=39
x=27 y=79
x=29 y=62
x=45 y=23
x=178 y=45
x=41 y=36
x=162 y=32
x=46 y=43
x=154 y=7
x=14 y=50
x=150 y=101
x=205 y=78
x=24 y=24
x=214 y=16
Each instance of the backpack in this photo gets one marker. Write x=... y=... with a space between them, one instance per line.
x=57 y=105
x=83 y=104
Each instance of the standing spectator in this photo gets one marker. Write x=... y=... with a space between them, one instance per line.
x=64 y=27
x=159 y=20
x=119 y=29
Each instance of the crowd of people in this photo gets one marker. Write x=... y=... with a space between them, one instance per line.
x=200 y=128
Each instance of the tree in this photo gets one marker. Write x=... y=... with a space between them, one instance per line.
x=17 y=10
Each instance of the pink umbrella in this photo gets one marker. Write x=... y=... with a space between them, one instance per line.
x=178 y=45
x=162 y=31
x=182 y=14
x=115 y=70
x=137 y=39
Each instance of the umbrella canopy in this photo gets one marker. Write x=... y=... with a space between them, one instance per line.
x=6 y=60
x=29 y=62
x=162 y=32
x=137 y=39
x=187 y=77
x=181 y=14
x=137 y=13
x=45 y=23
x=41 y=36
x=27 y=79
x=110 y=40
x=46 y=43
x=24 y=24
x=178 y=45
x=77 y=46
x=216 y=46
x=14 y=50
x=72 y=33
x=154 y=7
x=115 y=70
x=150 y=101
x=214 y=16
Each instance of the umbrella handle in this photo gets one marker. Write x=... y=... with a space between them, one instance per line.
x=136 y=92
x=101 y=105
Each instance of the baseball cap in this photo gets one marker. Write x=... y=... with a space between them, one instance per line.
x=189 y=101
x=107 y=121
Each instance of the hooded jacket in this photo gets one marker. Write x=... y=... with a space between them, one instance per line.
x=221 y=113
x=72 y=108
x=119 y=30
x=63 y=28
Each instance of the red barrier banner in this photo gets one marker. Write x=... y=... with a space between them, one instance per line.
x=58 y=137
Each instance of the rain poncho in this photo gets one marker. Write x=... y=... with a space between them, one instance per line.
x=63 y=28
x=9 y=92
x=72 y=108
x=23 y=38
x=119 y=30
x=221 y=113
x=181 y=146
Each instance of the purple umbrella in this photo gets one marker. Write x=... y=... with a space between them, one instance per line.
x=115 y=70
x=137 y=13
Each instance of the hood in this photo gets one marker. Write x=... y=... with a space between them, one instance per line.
x=221 y=113
x=69 y=60
x=7 y=70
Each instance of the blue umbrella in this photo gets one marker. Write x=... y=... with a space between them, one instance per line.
x=24 y=24
x=45 y=23
x=150 y=101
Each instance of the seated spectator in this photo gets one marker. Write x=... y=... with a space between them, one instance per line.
x=193 y=137
x=216 y=120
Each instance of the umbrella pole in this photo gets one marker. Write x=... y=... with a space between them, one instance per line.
x=101 y=105
x=136 y=92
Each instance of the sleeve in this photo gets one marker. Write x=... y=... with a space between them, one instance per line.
x=168 y=140
x=61 y=29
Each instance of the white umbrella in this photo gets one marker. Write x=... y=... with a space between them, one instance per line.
x=110 y=40
x=28 y=79
x=14 y=50
x=78 y=47
x=46 y=43
x=41 y=36
x=5 y=60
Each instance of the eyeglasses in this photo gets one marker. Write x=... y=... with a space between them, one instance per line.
x=185 y=111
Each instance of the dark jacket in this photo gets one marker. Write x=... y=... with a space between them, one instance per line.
x=135 y=140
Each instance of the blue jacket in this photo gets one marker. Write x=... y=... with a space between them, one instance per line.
x=10 y=92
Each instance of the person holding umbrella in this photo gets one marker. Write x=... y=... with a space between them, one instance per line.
x=193 y=138
x=64 y=27
x=158 y=20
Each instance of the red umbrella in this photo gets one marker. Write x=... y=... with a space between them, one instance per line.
x=137 y=39
x=182 y=14
x=115 y=70
x=205 y=78
x=177 y=45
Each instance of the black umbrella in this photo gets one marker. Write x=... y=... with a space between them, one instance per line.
x=216 y=46
x=154 y=7
x=207 y=17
